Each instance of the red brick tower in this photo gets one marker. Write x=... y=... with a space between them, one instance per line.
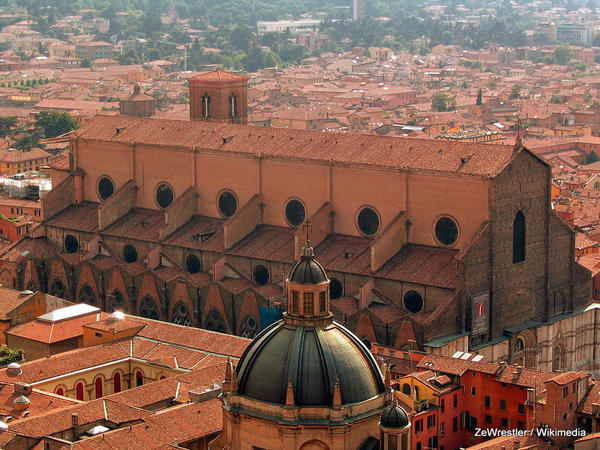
x=219 y=96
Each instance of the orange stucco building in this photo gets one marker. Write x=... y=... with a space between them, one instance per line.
x=444 y=244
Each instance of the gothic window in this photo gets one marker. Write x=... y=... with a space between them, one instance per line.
x=557 y=358
x=295 y=213
x=227 y=204
x=116 y=301
x=57 y=289
x=336 y=290
x=106 y=188
x=205 y=105
x=164 y=195
x=260 y=275
x=98 y=384
x=518 y=356
x=148 y=308
x=181 y=315
x=233 y=106
x=215 y=322
x=71 y=244
x=139 y=378
x=413 y=302
x=86 y=295
x=192 y=264
x=368 y=221
x=519 y=238
x=117 y=382
x=249 y=327
x=446 y=231
x=129 y=254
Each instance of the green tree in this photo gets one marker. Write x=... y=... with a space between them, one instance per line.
x=479 y=101
x=591 y=157
x=443 y=102
x=85 y=63
x=7 y=124
x=28 y=140
x=54 y=123
x=563 y=54
x=515 y=93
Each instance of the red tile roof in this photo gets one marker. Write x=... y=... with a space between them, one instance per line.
x=462 y=158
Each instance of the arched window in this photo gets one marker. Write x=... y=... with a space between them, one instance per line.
x=309 y=301
x=406 y=389
x=181 y=315
x=148 y=308
x=205 y=105
x=519 y=238
x=60 y=391
x=86 y=295
x=79 y=391
x=57 y=289
x=233 y=107
x=139 y=378
x=116 y=301
x=557 y=358
x=215 y=322
x=98 y=384
x=117 y=382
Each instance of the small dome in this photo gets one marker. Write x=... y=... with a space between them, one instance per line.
x=14 y=369
x=394 y=416
x=307 y=270
x=21 y=402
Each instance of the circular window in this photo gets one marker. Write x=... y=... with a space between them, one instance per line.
x=71 y=244
x=336 y=290
x=260 y=275
x=446 y=231
x=129 y=253
x=227 y=204
x=368 y=221
x=106 y=188
x=295 y=212
x=192 y=264
x=164 y=195
x=413 y=302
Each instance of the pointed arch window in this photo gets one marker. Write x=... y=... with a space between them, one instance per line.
x=233 y=106
x=519 y=238
x=206 y=105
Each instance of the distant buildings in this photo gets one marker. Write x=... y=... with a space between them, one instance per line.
x=358 y=9
x=293 y=26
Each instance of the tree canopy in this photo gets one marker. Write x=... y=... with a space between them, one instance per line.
x=55 y=123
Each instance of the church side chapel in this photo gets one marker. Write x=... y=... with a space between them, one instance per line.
x=432 y=245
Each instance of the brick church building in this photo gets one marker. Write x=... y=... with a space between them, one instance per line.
x=435 y=245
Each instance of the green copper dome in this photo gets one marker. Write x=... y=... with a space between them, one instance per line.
x=312 y=357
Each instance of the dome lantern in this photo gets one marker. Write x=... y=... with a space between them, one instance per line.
x=308 y=287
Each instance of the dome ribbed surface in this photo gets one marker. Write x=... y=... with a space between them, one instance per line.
x=307 y=271
x=394 y=416
x=313 y=358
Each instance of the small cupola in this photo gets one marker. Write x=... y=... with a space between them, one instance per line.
x=308 y=287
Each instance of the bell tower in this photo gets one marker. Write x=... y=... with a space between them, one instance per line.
x=219 y=96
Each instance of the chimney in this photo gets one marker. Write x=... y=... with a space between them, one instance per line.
x=74 y=424
x=531 y=395
x=23 y=388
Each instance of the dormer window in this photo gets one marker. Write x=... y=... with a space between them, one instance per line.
x=206 y=105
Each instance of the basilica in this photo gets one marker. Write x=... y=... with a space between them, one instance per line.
x=431 y=245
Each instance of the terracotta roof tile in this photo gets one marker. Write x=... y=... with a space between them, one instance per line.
x=469 y=159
